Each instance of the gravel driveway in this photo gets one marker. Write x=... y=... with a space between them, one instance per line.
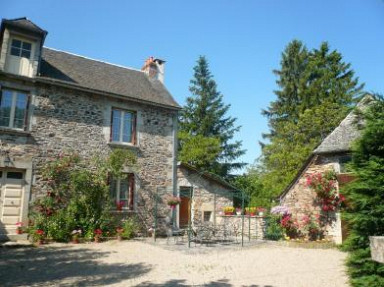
x=134 y=263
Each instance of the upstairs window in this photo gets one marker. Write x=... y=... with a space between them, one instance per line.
x=123 y=127
x=21 y=49
x=123 y=192
x=13 y=109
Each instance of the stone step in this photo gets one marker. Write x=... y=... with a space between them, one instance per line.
x=13 y=237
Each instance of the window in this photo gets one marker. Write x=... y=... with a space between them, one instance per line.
x=122 y=192
x=13 y=109
x=207 y=216
x=344 y=163
x=21 y=49
x=123 y=128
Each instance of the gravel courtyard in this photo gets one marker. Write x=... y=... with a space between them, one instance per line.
x=134 y=263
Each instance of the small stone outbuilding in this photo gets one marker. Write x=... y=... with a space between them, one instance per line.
x=203 y=196
x=332 y=154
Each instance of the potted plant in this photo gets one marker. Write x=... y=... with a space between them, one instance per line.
x=19 y=228
x=38 y=236
x=97 y=235
x=173 y=201
x=119 y=205
x=75 y=235
x=261 y=210
x=250 y=211
x=229 y=210
x=238 y=211
x=119 y=231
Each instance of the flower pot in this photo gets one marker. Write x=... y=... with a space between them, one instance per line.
x=75 y=240
x=119 y=237
x=19 y=231
x=261 y=213
x=238 y=212
x=39 y=242
x=97 y=239
x=228 y=213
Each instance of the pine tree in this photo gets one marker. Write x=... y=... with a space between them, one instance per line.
x=365 y=212
x=205 y=115
x=316 y=91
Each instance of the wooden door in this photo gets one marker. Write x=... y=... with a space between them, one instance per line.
x=11 y=199
x=184 y=211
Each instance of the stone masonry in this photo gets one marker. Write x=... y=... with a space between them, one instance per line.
x=301 y=200
x=64 y=120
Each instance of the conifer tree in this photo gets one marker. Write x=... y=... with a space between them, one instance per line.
x=205 y=115
x=365 y=198
x=316 y=90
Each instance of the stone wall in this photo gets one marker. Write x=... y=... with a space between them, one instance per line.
x=208 y=195
x=301 y=200
x=64 y=120
x=254 y=226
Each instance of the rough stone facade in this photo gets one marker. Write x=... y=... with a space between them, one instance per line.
x=64 y=120
x=301 y=200
x=208 y=195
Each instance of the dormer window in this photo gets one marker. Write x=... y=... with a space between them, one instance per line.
x=21 y=49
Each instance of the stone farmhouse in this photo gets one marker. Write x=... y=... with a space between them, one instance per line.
x=333 y=153
x=54 y=101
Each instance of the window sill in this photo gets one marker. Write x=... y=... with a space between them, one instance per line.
x=124 y=211
x=123 y=145
x=14 y=131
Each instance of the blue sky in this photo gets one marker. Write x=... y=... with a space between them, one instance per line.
x=242 y=41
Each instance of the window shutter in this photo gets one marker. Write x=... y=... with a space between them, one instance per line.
x=131 y=190
x=27 y=112
x=134 y=121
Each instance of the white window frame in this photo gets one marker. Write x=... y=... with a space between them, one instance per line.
x=21 y=48
x=122 y=122
x=13 y=108
x=131 y=195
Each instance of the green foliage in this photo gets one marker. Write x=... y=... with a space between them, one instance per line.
x=252 y=186
x=365 y=197
x=198 y=150
x=205 y=115
x=77 y=196
x=316 y=90
x=274 y=229
x=130 y=227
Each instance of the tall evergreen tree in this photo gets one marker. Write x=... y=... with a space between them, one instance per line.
x=316 y=90
x=205 y=115
x=365 y=198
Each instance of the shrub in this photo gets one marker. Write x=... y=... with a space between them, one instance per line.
x=130 y=227
x=274 y=230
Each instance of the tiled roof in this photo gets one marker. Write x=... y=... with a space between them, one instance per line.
x=104 y=77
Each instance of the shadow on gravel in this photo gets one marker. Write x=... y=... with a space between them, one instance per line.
x=217 y=283
x=62 y=266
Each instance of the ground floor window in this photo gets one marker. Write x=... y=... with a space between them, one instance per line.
x=123 y=192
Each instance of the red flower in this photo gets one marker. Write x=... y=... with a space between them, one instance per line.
x=98 y=231
x=40 y=232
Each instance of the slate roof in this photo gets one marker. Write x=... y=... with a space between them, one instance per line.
x=63 y=67
x=341 y=138
x=24 y=24
x=209 y=176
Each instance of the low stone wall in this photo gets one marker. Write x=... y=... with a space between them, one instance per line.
x=377 y=248
x=255 y=226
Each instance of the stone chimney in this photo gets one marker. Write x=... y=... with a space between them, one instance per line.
x=154 y=68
